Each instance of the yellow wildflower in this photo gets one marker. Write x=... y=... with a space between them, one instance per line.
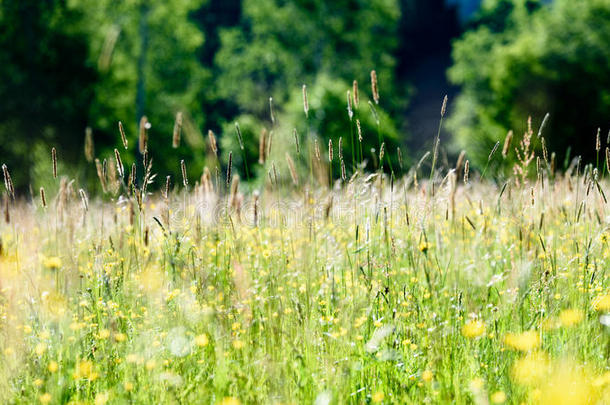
x=45 y=398
x=52 y=263
x=601 y=303
x=202 y=340
x=570 y=317
x=531 y=369
x=473 y=329
x=53 y=366
x=498 y=397
x=427 y=376
x=524 y=341
x=230 y=401
x=84 y=370
x=378 y=397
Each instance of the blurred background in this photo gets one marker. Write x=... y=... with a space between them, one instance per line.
x=69 y=65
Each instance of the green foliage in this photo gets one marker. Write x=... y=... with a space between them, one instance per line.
x=278 y=46
x=146 y=53
x=281 y=44
x=47 y=82
x=545 y=60
x=72 y=64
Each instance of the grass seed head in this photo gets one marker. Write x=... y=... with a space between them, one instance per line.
x=54 y=161
x=493 y=151
x=185 y=180
x=8 y=181
x=132 y=177
x=255 y=196
x=374 y=86
x=233 y=191
x=84 y=199
x=89 y=146
x=269 y=142
x=229 y=168
x=262 y=149
x=507 y=142
x=167 y=185
x=292 y=169
x=305 y=102
x=460 y=161
x=296 y=141
x=350 y=112
x=119 y=163
x=239 y=137
x=123 y=137
x=177 y=130
x=213 y=144
x=444 y=106
x=101 y=175
x=542 y=126
x=545 y=152
x=399 y=155
x=374 y=112
x=598 y=141
x=43 y=199
x=143 y=137
x=271 y=112
x=275 y=173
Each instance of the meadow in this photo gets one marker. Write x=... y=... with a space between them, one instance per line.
x=441 y=285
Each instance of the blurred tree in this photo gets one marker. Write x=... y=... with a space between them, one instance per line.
x=279 y=45
x=540 y=58
x=47 y=84
x=146 y=54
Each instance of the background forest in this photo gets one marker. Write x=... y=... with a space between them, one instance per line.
x=71 y=67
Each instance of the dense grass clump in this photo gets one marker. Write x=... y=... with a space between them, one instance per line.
x=374 y=291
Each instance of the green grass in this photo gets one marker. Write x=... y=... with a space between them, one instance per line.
x=384 y=295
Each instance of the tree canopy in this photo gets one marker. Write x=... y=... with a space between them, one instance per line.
x=527 y=58
x=47 y=80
